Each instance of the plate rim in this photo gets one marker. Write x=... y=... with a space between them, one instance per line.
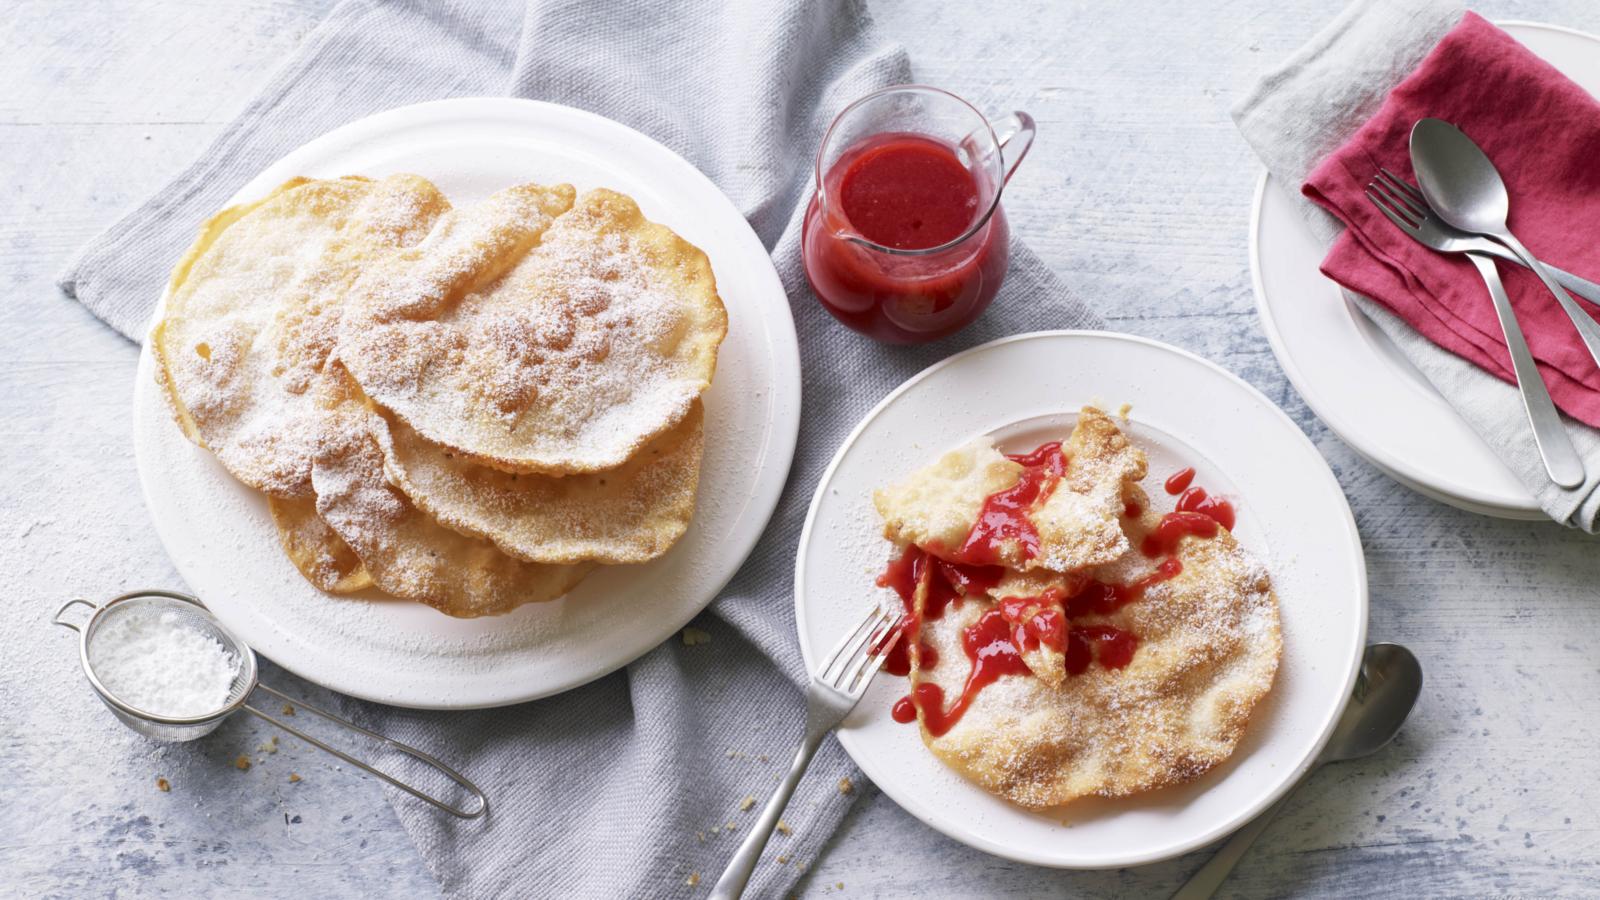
x=847 y=739
x=783 y=430
x=1465 y=497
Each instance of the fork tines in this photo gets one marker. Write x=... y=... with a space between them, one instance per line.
x=860 y=653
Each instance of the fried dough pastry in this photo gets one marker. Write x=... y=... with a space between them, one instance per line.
x=321 y=555
x=629 y=514
x=253 y=310
x=535 y=338
x=1043 y=592
x=407 y=553
x=1209 y=643
x=1077 y=525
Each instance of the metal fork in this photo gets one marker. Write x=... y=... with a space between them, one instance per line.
x=1396 y=200
x=1479 y=244
x=835 y=689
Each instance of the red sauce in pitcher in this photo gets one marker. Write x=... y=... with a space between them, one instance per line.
x=904 y=192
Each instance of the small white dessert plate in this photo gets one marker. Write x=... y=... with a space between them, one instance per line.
x=221 y=537
x=1185 y=412
x=1350 y=373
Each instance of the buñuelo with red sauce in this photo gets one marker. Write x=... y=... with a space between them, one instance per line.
x=1064 y=638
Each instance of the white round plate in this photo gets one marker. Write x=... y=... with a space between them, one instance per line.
x=1350 y=373
x=1186 y=412
x=221 y=537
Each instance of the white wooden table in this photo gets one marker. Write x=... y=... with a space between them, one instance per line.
x=1137 y=193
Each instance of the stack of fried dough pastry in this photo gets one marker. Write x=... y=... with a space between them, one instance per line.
x=471 y=408
x=1062 y=638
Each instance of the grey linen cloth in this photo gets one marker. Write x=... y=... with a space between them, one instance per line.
x=1300 y=112
x=623 y=787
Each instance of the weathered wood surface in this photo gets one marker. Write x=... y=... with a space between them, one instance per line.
x=1137 y=194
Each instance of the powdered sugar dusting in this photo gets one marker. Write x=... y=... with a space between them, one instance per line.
x=1209 y=645
x=561 y=353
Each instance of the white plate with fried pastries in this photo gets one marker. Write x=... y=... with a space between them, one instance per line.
x=467 y=403
x=1202 y=666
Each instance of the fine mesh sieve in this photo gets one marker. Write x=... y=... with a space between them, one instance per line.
x=191 y=613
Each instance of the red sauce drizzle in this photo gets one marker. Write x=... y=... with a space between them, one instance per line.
x=1196 y=499
x=988 y=644
x=947 y=583
x=995 y=643
x=1173 y=528
x=1036 y=620
x=1179 y=481
x=1004 y=516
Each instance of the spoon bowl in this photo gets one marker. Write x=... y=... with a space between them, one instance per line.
x=1386 y=689
x=1457 y=178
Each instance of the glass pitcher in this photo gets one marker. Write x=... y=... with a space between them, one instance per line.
x=904 y=239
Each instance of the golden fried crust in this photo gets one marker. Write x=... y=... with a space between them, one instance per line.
x=1078 y=524
x=630 y=514
x=407 y=553
x=1208 y=652
x=936 y=505
x=320 y=554
x=253 y=309
x=531 y=337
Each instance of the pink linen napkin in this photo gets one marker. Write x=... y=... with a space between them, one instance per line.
x=1543 y=133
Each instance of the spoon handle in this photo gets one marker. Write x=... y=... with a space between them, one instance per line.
x=1588 y=329
x=1560 y=458
x=1204 y=883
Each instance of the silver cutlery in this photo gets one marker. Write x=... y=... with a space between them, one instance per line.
x=1464 y=188
x=1398 y=202
x=834 y=690
x=1472 y=243
x=1386 y=689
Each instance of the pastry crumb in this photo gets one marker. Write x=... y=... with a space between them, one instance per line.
x=783 y=859
x=242 y=763
x=746 y=803
x=293 y=778
x=693 y=879
x=693 y=636
x=846 y=786
x=163 y=785
x=783 y=827
x=1123 y=410
x=732 y=826
x=288 y=710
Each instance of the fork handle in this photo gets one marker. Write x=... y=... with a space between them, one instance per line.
x=1560 y=458
x=1574 y=283
x=1583 y=287
x=1588 y=329
x=731 y=885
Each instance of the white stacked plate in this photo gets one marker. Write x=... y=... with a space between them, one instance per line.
x=1350 y=373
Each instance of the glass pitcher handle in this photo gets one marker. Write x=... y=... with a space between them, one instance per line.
x=1016 y=129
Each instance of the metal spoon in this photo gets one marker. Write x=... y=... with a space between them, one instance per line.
x=1386 y=689
x=1466 y=190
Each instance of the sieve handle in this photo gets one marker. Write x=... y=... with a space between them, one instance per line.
x=75 y=601
x=414 y=753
